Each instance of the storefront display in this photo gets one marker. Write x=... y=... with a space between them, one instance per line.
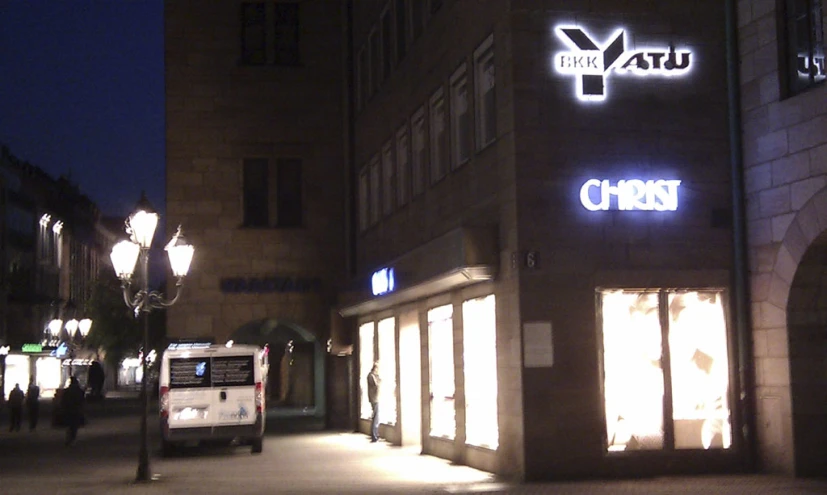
x=387 y=371
x=441 y=357
x=365 y=364
x=480 y=370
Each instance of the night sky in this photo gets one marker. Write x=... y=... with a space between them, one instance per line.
x=82 y=95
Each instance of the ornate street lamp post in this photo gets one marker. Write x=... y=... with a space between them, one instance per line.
x=141 y=228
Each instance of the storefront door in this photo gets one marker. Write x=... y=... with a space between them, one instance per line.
x=410 y=379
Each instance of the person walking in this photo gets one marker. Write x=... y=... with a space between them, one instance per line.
x=71 y=405
x=33 y=404
x=15 y=403
x=373 y=397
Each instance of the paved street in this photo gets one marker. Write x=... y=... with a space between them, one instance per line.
x=105 y=458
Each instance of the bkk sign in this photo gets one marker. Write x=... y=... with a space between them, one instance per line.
x=634 y=194
x=592 y=64
x=382 y=281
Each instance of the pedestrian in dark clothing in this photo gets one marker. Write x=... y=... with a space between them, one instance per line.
x=71 y=405
x=95 y=380
x=33 y=404
x=373 y=397
x=15 y=403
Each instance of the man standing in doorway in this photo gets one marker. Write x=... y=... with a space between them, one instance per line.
x=373 y=397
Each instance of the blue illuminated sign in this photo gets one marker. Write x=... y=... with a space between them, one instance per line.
x=382 y=281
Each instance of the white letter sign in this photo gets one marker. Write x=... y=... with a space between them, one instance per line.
x=634 y=194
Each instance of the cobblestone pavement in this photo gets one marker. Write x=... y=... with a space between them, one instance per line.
x=104 y=460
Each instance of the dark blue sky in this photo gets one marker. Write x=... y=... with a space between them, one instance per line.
x=82 y=94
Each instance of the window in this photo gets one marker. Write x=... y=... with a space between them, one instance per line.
x=361 y=91
x=401 y=29
x=286 y=33
x=403 y=166
x=672 y=345
x=419 y=158
x=365 y=365
x=803 y=31
x=387 y=42
x=388 y=179
x=479 y=351
x=460 y=118
x=386 y=330
x=441 y=376
x=275 y=42
x=273 y=192
x=364 y=201
x=439 y=138
x=485 y=95
x=253 y=34
x=418 y=18
x=375 y=62
x=375 y=187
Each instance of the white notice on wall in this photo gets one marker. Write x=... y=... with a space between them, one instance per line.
x=538 y=351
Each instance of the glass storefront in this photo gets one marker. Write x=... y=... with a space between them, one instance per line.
x=480 y=371
x=365 y=364
x=667 y=344
x=387 y=371
x=17 y=372
x=441 y=376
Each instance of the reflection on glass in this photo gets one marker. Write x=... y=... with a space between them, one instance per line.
x=700 y=370
x=387 y=371
x=441 y=357
x=365 y=364
x=480 y=361
x=633 y=377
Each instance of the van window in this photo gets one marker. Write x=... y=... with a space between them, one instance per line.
x=224 y=371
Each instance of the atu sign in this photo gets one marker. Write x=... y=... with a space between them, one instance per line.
x=634 y=194
x=592 y=63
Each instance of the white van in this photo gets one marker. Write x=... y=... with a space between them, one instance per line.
x=212 y=392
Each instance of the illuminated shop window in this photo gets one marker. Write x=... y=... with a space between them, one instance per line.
x=387 y=371
x=365 y=364
x=441 y=376
x=480 y=361
x=635 y=379
x=17 y=372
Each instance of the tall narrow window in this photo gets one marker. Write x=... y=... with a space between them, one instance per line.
x=253 y=34
x=479 y=344
x=365 y=365
x=375 y=61
x=256 y=193
x=359 y=80
x=418 y=17
x=388 y=179
x=486 y=103
x=401 y=29
x=364 y=200
x=286 y=33
x=419 y=158
x=804 y=36
x=441 y=376
x=460 y=119
x=387 y=42
x=403 y=166
x=375 y=188
x=439 y=138
x=386 y=331
x=364 y=77
x=289 y=209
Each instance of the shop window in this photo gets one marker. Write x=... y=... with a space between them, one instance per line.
x=388 y=179
x=441 y=376
x=365 y=365
x=666 y=370
x=439 y=138
x=460 y=119
x=479 y=343
x=363 y=200
x=419 y=157
x=485 y=96
x=387 y=371
x=17 y=372
x=403 y=166
x=375 y=190
x=802 y=31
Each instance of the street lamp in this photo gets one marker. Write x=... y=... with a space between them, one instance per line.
x=141 y=228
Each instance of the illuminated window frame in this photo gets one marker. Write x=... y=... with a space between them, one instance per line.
x=461 y=131
x=441 y=372
x=485 y=99
x=439 y=136
x=366 y=338
x=386 y=335
x=479 y=349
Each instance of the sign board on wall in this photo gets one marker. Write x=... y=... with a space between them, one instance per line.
x=382 y=281
x=592 y=61
x=633 y=194
x=538 y=345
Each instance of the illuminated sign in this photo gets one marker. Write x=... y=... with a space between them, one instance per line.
x=592 y=63
x=32 y=348
x=382 y=281
x=657 y=195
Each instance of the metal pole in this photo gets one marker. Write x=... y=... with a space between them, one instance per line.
x=143 y=456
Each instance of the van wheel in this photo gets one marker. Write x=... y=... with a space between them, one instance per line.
x=257 y=445
x=167 y=448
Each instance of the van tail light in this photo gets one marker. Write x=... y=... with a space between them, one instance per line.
x=163 y=402
x=259 y=398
